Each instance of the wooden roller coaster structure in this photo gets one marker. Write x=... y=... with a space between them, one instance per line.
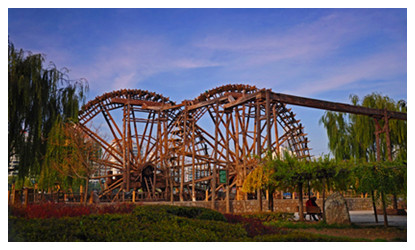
x=198 y=149
x=171 y=151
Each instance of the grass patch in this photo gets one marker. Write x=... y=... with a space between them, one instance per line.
x=156 y=223
x=305 y=225
x=305 y=237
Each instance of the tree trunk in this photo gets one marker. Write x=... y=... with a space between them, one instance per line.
x=395 y=201
x=385 y=216
x=300 y=202
x=324 y=203
x=86 y=191
x=374 y=206
x=271 y=201
x=259 y=199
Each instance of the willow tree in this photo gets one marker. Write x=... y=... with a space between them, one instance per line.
x=353 y=136
x=37 y=97
x=383 y=177
x=69 y=158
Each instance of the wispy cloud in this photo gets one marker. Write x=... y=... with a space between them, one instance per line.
x=315 y=52
x=380 y=66
x=303 y=42
x=125 y=64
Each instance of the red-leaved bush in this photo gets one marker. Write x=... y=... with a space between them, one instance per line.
x=58 y=210
x=252 y=226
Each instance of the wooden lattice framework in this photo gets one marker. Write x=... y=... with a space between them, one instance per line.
x=174 y=151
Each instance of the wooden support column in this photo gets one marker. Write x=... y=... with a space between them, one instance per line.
x=259 y=147
x=81 y=192
x=193 y=161
x=228 y=117
x=258 y=128
x=389 y=150
x=158 y=146
x=215 y=165
x=129 y=145
x=237 y=154
x=378 y=159
x=26 y=196
x=388 y=137
x=183 y=153
x=269 y=140
x=268 y=119
x=13 y=198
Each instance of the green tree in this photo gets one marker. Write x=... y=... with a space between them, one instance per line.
x=69 y=158
x=353 y=136
x=380 y=178
x=37 y=97
x=259 y=179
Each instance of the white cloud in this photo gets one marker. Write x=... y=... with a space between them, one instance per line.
x=375 y=67
x=304 y=42
x=126 y=63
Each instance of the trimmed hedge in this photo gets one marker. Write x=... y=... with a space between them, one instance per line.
x=154 y=223
x=303 y=237
x=187 y=212
x=58 y=210
x=146 y=223
x=270 y=216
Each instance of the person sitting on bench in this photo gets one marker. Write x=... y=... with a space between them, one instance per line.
x=312 y=203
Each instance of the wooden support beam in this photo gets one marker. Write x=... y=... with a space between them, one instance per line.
x=242 y=100
x=136 y=102
x=334 y=106
x=207 y=103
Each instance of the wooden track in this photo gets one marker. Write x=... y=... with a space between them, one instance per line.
x=176 y=151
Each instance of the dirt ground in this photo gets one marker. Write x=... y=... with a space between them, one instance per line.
x=389 y=234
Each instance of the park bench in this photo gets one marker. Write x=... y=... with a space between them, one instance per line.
x=311 y=211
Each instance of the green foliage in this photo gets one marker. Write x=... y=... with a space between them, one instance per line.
x=304 y=237
x=188 y=212
x=324 y=173
x=69 y=157
x=270 y=216
x=304 y=225
x=162 y=224
x=353 y=136
x=257 y=178
x=37 y=96
x=146 y=223
x=384 y=177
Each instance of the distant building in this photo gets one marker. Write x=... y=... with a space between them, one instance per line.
x=13 y=165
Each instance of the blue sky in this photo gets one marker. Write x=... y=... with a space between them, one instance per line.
x=319 y=53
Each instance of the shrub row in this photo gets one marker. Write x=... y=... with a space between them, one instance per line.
x=252 y=226
x=303 y=237
x=151 y=223
x=270 y=216
x=188 y=212
x=145 y=223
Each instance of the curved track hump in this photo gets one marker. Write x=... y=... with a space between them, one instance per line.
x=164 y=151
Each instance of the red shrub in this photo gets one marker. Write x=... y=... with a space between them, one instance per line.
x=252 y=226
x=58 y=210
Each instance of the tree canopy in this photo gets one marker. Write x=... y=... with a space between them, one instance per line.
x=353 y=136
x=37 y=97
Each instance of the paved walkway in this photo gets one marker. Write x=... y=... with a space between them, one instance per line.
x=367 y=218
